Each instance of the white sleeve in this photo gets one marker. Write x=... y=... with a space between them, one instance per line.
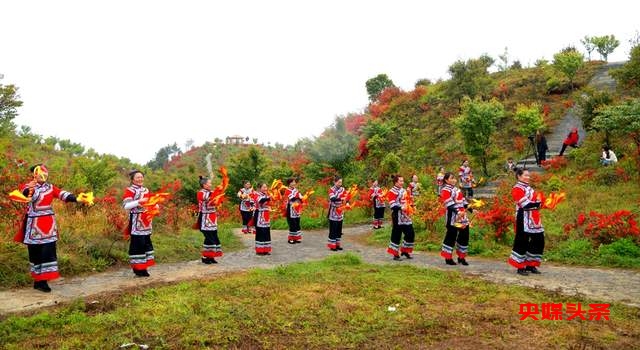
x=130 y=205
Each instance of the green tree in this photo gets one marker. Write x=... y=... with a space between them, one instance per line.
x=247 y=166
x=163 y=155
x=377 y=84
x=9 y=103
x=590 y=101
x=390 y=164
x=589 y=46
x=623 y=120
x=336 y=147
x=516 y=65
x=605 y=45
x=99 y=175
x=529 y=119
x=477 y=123
x=568 y=62
x=470 y=78
x=629 y=74
x=423 y=82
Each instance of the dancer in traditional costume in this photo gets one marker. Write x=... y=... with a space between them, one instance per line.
x=400 y=203
x=466 y=179
x=456 y=222
x=377 y=201
x=440 y=180
x=293 y=211
x=39 y=230
x=528 y=243
x=261 y=218
x=246 y=207
x=140 y=225
x=336 y=213
x=208 y=222
x=414 y=186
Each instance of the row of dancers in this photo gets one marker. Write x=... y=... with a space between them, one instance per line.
x=39 y=231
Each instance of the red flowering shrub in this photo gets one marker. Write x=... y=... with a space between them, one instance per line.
x=546 y=110
x=499 y=216
x=429 y=210
x=605 y=228
x=519 y=143
x=554 y=163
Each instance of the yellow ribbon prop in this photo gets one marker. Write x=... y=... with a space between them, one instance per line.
x=17 y=196
x=86 y=198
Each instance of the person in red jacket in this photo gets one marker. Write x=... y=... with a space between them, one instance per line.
x=571 y=140
x=528 y=243
x=39 y=231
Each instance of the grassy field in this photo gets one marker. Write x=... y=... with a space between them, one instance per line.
x=336 y=303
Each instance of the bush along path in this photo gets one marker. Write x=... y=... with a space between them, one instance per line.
x=600 y=81
x=606 y=285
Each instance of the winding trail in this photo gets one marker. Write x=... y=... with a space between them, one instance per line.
x=601 y=81
x=606 y=285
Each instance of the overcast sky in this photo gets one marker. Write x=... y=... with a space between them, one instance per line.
x=129 y=77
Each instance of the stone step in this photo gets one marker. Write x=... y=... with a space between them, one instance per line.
x=484 y=195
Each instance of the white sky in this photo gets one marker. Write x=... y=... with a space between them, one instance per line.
x=129 y=77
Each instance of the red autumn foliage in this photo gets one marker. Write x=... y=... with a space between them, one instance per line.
x=11 y=176
x=605 y=228
x=499 y=216
x=519 y=143
x=622 y=174
x=554 y=163
x=354 y=123
x=418 y=92
x=363 y=151
x=537 y=178
x=376 y=110
x=546 y=110
x=586 y=175
x=568 y=103
x=388 y=94
x=501 y=91
x=429 y=210
x=111 y=207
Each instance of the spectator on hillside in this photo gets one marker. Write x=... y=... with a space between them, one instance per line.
x=608 y=157
x=571 y=140
x=542 y=148
x=510 y=166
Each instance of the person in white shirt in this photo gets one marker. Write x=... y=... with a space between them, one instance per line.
x=608 y=157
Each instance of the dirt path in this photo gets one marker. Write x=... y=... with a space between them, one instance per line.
x=600 y=284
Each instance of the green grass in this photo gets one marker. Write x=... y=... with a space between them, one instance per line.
x=79 y=254
x=339 y=302
x=621 y=253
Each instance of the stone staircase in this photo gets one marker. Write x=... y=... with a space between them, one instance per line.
x=600 y=81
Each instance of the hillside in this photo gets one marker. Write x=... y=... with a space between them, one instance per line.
x=400 y=132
